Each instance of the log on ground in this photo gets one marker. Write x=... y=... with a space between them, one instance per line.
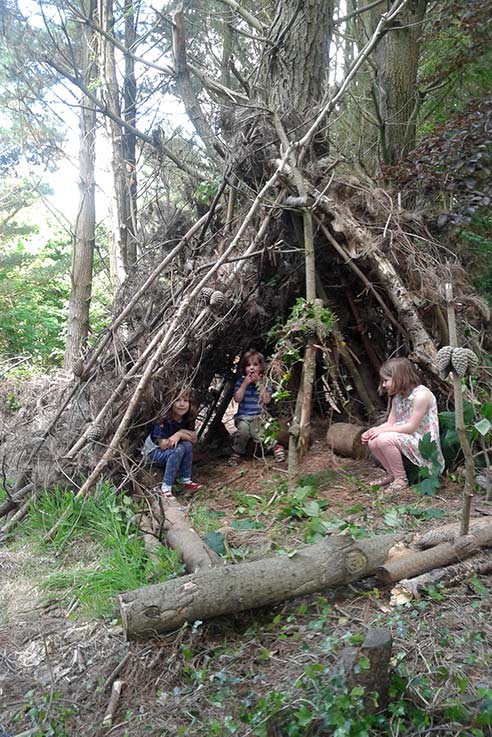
x=172 y=518
x=218 y=591
x=440 y=555
x=344 y=438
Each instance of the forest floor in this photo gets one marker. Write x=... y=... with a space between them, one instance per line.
x=268 y=672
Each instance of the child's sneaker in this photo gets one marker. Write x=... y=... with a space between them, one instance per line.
x=191 y=486
x=234 y=460
x=279 y=453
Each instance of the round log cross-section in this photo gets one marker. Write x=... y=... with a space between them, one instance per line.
x=344 y=439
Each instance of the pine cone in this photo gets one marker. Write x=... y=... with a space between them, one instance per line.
x=217 y=299
x=472 y=360
x=94 y=433
x=78 y=367
x=459 y=360
x=206 y=294
x=443 y=360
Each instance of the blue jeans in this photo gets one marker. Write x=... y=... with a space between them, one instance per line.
x=175 y=461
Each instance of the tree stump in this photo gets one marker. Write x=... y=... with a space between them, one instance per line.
x=372 y=675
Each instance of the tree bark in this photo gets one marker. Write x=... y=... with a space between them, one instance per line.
x=218 y=591
x=129 y=114
x=394 y=86
x=85 y=225
x=297 y=61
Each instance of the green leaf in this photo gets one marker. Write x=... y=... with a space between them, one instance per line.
x=247 y=524
x=428 y=447
x=483 y=426
x=486 y=410
x=312 y=509
x=427 y=487
x=392 y=518
x=215 y=541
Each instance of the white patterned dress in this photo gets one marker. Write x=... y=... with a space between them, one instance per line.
x=408 y=443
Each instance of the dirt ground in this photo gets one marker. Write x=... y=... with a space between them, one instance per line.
x=57 y=669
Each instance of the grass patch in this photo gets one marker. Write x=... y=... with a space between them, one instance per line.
x=103 y=552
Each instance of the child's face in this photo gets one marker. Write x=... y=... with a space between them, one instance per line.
x=388 y=384
x=181 y=405
x=253 y=367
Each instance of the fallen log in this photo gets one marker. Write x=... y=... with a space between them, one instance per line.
x=172 y=518
x=441 y=555
x=411 y=588
x=217 y=591
x=446 y=533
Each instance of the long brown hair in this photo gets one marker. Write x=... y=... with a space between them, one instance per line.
x=403 y=374
x=189 y=417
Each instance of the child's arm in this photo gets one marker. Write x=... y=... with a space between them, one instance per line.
x=181 y=435
x=250 y=378
x=264 y=393
x=420 y=407
x=384 y=427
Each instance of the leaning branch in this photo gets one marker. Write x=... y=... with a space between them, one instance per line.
x=196 y=174
x=187 y=94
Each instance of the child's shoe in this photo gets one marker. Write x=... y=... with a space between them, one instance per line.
x=166 y=492
x=234 y=460
x=191 y=486
x=279 y=453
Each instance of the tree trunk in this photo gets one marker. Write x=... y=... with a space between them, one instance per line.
x=218 y=591
x=119 y=207
x=297 y=62
x=394 y=86
x=85 y=225
x=129 y=139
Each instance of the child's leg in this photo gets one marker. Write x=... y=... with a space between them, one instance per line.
x=267 y=445
x=385 y=448
x=173 y=464
x=241 y=436
x=186 y=461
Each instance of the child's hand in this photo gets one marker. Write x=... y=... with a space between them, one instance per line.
x=252 y=376
x=370 y=434
x=163 y=443
x=174 y=440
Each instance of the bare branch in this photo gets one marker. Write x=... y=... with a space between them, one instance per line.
x=245 y=15
x=359 y=11
x=75 y=80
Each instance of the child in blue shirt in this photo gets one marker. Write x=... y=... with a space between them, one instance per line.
x=252 y=395
x=170 y=446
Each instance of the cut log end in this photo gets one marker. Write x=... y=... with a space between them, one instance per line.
x=345 y=440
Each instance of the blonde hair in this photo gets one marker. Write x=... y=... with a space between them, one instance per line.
x=402 y=373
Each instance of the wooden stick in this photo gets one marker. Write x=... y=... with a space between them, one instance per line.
x=114 y=673
x=113 y=703
x=460 y=419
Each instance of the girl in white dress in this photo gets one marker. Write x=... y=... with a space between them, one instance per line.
x=413 y=414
